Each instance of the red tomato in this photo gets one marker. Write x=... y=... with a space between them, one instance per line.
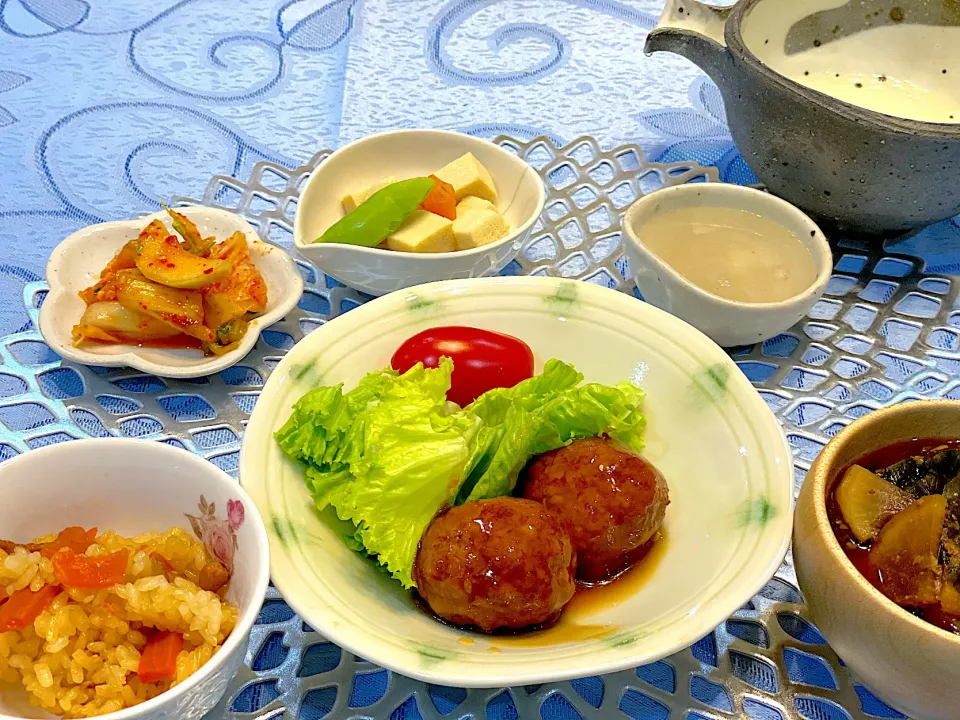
x=482 y=359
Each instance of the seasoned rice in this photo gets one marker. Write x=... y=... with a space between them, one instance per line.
x=80 y=657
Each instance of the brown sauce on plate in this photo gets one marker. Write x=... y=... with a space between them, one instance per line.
x=572 y=625
x=592 y=598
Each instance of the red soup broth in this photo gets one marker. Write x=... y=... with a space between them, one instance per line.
x=858 y=553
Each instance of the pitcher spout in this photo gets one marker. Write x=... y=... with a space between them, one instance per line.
x=696 y=32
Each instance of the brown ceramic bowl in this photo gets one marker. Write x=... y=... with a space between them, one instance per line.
x=909 y=663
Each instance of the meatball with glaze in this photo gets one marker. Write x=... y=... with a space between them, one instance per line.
x=610 y=501
x=502 y=563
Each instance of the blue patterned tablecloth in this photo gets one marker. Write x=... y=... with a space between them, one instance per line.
x=107 y=107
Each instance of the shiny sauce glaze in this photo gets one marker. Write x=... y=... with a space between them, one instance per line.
x=502 y=562
x=859 y=553
x=575 y=623
x=582 y=535
x=609 y=500
x=572 y=624
x=591 y=598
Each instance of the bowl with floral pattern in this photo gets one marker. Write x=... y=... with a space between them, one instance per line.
x=133 y=487
x=721 y=450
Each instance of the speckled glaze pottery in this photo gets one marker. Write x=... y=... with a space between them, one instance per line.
x=910 y=664
x=854 y=169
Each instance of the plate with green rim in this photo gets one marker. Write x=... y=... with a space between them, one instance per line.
x=723 y=453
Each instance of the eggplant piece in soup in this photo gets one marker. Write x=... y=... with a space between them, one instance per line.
x=896 y=514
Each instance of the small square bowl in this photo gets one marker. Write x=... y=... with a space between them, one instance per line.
x=404 y=154
x=133 y=487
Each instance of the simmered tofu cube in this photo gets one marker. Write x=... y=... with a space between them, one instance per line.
x=469 y=177
x=478 y=223
x=423 y=232
x=351 y=201
x=471 y=202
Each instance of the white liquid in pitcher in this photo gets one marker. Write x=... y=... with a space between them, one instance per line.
x=731 y=253
x=888 y=95
x=908 y=71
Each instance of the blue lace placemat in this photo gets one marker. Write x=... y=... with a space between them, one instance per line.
x=884 y=332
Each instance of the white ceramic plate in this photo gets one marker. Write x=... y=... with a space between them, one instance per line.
x=76 y=263
x=404 y=154
x=723 y=453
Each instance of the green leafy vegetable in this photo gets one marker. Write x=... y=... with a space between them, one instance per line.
x=232 y=331
x=193 y=242
x=378 y=216
x=393 y=452
x=387 y=456
x=546 y=412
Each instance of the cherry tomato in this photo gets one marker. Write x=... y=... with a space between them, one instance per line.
x=482 y=359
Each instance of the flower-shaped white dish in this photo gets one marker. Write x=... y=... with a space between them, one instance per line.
x=404 y=154
x=134 y=487
x=76 y=264
x=725 y=458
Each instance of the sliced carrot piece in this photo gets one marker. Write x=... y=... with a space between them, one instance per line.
x=158 y=661
x=163 y=561
x=441 y=200
x=89 y=573
x=25 y=606
x=75 y=538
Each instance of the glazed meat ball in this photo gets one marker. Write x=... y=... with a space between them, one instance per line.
x=503 y=563
x=610 y=501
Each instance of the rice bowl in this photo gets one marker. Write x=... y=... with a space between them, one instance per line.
x=86 y=646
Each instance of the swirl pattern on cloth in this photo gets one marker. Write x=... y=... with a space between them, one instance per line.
x=106 y=108
x=457 y=12
x=699 y=134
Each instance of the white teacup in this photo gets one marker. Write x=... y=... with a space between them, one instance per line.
x=726 y=322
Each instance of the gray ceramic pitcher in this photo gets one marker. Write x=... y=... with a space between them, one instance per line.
x=854 y=169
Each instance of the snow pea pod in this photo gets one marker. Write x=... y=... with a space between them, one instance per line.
x=378 y=216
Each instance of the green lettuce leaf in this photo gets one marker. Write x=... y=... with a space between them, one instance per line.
x=391 y=453
x=387 y=456
x=547 y=412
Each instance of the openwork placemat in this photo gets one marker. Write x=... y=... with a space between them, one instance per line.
x=883 y=333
